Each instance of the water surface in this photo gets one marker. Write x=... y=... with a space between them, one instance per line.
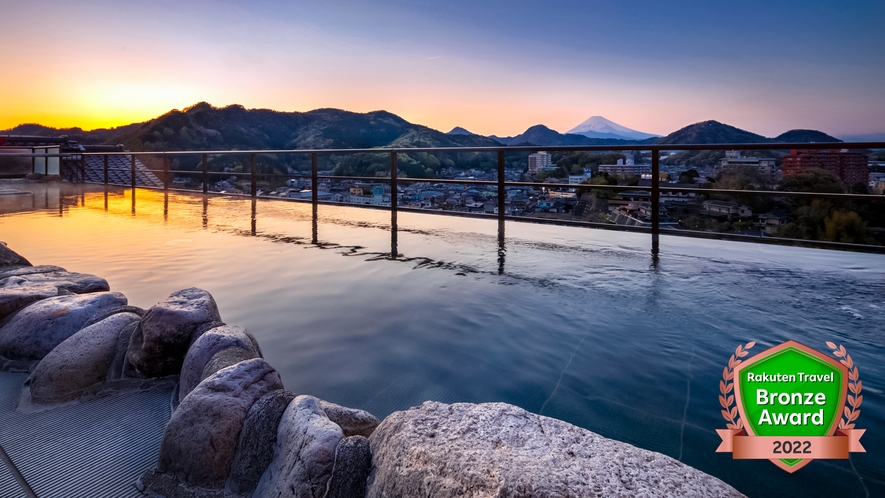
x=578 y=324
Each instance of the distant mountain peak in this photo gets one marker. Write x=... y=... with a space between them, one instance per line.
x=600 y=127
x=460 y=131
x=712 y=132
x=805 y=136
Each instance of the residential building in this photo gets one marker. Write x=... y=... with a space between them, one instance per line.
x=538 y=161
x=764 y=166
x=578 y=179
x=851 y=167
x=773 y=221
x=628 y=169
x=726 y=209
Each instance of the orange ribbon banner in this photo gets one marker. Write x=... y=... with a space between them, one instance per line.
x=745 y=447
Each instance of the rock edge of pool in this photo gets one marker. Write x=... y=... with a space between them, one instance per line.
x=235 y=431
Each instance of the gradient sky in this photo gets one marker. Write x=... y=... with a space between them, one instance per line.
x=493 y=67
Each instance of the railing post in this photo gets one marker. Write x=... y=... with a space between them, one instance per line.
x=393 y=201
x=205 y=173
x=132 y=170
x=502 y=192
x=655 y=195
x=165 y=172
x=253 y=175
x=393 y=182
x=105 y=169
x=314 y=187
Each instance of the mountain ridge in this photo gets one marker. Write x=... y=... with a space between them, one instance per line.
x=206 y=127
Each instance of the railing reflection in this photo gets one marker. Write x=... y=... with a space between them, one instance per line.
x=146 y=203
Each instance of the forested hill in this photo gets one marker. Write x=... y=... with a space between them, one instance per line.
x=92 y=137
x=714 y=132
x=204 y=127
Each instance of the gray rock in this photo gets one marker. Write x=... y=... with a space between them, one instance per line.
x=496 y=449
x=11 y=271
x=79 y=362
x=225 y=358
x=304 y=453
x=78 y=283
x=255 y=447
x=8 y=257
x=200 y=439
x=208 y=345
x=352 y=421
x=16 y=293
x=156 y=484
x=113 y=311
x=353 y=463
x=160 y=342
x=36 y=330
x=118 y=369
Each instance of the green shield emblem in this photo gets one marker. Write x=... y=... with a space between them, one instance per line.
x=790 y=390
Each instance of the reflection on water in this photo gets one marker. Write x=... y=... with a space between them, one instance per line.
x=602 y=329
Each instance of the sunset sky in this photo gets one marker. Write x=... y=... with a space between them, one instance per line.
x=493 y=67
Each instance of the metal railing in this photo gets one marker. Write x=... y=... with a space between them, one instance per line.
x=655 y=189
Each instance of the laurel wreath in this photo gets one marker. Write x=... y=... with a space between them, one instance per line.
x=850 y=412
x=726 y=386
x=849 y=415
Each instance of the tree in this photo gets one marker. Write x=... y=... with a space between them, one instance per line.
x=688 y=176
x=808 y=221
x=601 y=179
x=813 y=180
x=846 y=226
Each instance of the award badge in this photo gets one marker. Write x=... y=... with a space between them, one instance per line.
x=790 y=404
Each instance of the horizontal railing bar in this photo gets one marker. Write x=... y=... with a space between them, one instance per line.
x=776 y=193
x=527 y=148
x=505 y=148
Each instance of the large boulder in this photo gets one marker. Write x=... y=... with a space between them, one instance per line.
x=161 y=340
x=353 y=422
x=208 y=345
x=255 y=448
x=304 y=453
x=200 y=439
x=37 y=329
x=118 y=368
x=353 y=463
x=79 y=362
x=78 y=283
x=8 y=257
x=12 y=271
x=17 y=292
x=496 y=449
x=226 y=358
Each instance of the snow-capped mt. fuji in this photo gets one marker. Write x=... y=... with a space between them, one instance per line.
x=599 y=127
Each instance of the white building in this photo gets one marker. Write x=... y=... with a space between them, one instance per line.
x=538 y=161
x=763 y=165
x=726 y=209
x=628 y=169
x=577 y=179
